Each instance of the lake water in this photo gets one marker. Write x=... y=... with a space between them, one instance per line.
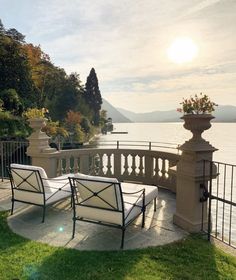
x=221 y=135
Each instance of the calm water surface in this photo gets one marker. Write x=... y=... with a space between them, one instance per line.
x=221 y=135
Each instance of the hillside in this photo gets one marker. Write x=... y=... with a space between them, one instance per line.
x=156 y=116
x=112 y=112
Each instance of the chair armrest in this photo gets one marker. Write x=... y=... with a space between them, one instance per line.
x=142 y=195
x=142 y=190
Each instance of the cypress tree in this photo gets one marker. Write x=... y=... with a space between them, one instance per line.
x=93 y=96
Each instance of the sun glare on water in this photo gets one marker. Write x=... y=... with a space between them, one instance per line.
x=182 y=50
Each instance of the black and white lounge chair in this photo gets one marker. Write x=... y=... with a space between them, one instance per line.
x=108 y=202
x=31 y=185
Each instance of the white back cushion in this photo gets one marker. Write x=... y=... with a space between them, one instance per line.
x=107 y=189
x=32 y=182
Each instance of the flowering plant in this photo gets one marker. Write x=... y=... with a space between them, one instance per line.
x=35 y=113
x=197 y=105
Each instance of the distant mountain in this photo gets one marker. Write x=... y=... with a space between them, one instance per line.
x=223 y=113
x=112 y=112
x=156 y=116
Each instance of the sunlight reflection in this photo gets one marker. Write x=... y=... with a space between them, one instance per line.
x=60 y=229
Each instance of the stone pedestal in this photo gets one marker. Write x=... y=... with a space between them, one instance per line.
x=39 y=150
x=190 y=170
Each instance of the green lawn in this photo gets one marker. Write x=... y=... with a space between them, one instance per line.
x=193 y=258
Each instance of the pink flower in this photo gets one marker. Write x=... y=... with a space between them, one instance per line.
x=197 y=105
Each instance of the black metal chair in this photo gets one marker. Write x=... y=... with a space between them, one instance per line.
x=30 y=185
x=108 y=202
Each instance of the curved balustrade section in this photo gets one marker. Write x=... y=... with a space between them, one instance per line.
x=141 y=166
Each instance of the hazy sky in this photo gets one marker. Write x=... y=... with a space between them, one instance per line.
x=127 y=42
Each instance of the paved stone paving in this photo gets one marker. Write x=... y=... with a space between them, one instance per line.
x=5 y=195
x=57 y=229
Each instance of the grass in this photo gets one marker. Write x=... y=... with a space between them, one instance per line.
x=192 y=258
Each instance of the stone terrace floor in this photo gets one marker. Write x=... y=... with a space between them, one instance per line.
x=57 y=228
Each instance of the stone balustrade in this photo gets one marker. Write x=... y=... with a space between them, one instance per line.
x=144 y=166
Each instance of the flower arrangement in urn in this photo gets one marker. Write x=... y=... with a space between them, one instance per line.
x=197 y=105
x=37 y=119
x=34 y=113
x=197 y=115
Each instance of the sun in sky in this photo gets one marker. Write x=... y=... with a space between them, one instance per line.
x=182 y=50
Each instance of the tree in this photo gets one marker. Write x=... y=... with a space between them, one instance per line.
x=72 y=119
x=11 y=101
x=85 y=124
x=42 y=72
x=67 y=94
x=12 y=126
x=72 y=124
x=93 y=95
x=2 y=29
x=15 y=71
x=15 y=35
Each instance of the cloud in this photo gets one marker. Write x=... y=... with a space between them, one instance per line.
x=201 y=6
x=126 y=42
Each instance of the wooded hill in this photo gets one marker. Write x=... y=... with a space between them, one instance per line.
x=29 y=79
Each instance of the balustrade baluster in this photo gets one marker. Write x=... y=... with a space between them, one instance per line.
x=133 y=166
x=141 y=165
x=156 y=169
x=126 y=165
x=163 y=169
x=109 y=165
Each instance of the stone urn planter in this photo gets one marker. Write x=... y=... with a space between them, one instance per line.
x=197 y=124
x=37 y=124
x=38 y=140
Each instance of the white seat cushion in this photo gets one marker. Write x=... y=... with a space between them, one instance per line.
x=107 y=215
x=37 y=198
x=151 y=192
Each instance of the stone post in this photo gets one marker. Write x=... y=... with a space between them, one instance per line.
x=39 y=150
x=190 y=174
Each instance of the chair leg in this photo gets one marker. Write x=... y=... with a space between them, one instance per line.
x=143 y=219
x=73 y=230
x=12 y=206
x=44 y=210
x=122 y=238
x=155 y=204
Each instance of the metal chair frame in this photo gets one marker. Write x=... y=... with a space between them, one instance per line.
x=40 y=190
x=75 y=182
